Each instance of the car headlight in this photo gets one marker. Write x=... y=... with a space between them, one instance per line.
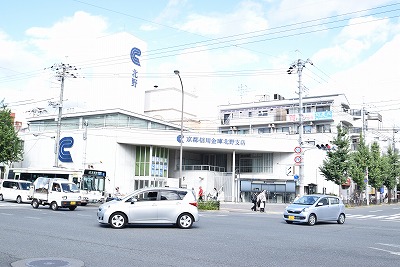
x=79 y=198
x=304 y=210
x=64 y=197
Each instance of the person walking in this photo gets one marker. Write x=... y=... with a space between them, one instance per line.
x=200 y=193
x=262 y=198
x=254 y=201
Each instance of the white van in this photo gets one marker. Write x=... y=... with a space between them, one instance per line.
x=17 y=190
x=55 y=192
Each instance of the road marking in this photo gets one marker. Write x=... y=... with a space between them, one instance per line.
x=381 y=217
x=375 y=210
x=6 y=213
x=397 y=253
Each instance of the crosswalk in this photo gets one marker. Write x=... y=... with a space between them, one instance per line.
x=391 y=217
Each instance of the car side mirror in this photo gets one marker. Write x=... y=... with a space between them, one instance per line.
x=133 y=200
x=320 y=204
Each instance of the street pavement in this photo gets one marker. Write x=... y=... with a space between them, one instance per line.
x=272 y=208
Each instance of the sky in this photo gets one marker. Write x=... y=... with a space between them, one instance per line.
x=227 y=51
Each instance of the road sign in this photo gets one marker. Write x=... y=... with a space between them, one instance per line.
x=295 y=177
x=297 y=159
x=297 y=149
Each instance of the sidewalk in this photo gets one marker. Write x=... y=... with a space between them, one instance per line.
x=273 y=208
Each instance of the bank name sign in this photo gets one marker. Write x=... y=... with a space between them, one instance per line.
x=211 y=140
x=314 y=116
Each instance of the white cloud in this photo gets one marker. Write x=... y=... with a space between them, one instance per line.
x=247 y=17
x=374 y=81
x=66 y=38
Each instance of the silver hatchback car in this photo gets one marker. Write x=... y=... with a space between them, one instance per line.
x=155 y=205
x=315 y=208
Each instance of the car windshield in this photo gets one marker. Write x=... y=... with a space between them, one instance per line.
x=69 y=187
x=306 y=200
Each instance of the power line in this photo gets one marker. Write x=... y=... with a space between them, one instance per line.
x=173 y=51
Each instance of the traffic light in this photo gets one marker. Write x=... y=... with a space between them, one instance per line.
x=323 y=146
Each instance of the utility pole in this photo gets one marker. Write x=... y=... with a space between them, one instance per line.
x=62 y=71
x=364 y=129
x=299 y=65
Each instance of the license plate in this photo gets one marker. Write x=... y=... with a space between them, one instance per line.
x=73 y=202
x=291 y=217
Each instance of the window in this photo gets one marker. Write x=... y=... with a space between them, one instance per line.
x=142 y=167
x=324 y=201
x=257 y=163
x=323 y=128
x=56 y=187
x=262 y=113
x=264 y=130
x=334 y=200
x=307 y=129
x=8 y=184
x=283 y=129
x=169 y=195
x=323 y=108
x=147 y=196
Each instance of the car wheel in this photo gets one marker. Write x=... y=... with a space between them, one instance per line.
x=54 y=205
x=289 y=222
x=341 y=218
x=35 y=204
x=72 y=207
x=118 y=220
x=1 y=197
x=19 y=199
x=312 y=219
x=184 y=221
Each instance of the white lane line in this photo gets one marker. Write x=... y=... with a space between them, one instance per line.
x=391 y=252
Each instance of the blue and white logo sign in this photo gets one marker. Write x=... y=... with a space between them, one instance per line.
x=179 y=138
x=64 y=155
x=135 y=52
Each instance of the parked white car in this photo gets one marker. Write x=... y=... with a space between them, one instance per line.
x=155 y=205
x=15 y=190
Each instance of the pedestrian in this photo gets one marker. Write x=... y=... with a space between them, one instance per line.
x=200 y=193
x=262 y=198
x=254 y=201
x=215 y=194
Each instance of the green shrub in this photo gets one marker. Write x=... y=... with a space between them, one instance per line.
x=208 y=205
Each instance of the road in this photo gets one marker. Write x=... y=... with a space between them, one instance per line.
x=230 y=237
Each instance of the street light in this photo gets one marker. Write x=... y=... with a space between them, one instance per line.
x=180 y=139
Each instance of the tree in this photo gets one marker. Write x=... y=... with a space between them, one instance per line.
x=376 y=167
x=391 y=170
x=11 y=148
x=335 y=166
x=359 y=163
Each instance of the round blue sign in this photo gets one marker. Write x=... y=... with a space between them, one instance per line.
x=296 y=177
